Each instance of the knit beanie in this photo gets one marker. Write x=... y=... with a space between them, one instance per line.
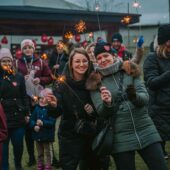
x=118 y=37
x=5 y=52
x=163 y=34
x=102 y=48
x=27 y=42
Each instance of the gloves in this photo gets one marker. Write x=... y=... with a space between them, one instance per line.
x=131 y=92
x=140 y=41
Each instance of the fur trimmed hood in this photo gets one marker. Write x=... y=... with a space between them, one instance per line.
x=94 y=80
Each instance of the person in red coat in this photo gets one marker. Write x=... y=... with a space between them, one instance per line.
x=3 y=130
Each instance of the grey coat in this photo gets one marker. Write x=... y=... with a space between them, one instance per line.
x=133 y=128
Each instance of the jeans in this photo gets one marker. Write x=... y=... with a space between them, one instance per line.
x=29 y=143
x=152 y=155
x=16 y=135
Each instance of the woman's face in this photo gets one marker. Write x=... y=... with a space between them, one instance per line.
x=6 y=63
x=105 y=59
x=80 y=64
x=28 y=50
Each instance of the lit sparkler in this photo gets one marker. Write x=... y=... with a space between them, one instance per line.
x=8 y=69
x=35 y=98
x=44 y=56
x=80 y=27
x=61 y=79
x=126 y=19
x=68 y=35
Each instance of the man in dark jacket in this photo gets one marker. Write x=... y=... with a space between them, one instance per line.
x=58 y=59
x=122 y=51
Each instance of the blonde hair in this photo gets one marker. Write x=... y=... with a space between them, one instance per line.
x=162 y=51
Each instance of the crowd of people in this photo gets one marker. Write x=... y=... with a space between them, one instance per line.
x=86 y=84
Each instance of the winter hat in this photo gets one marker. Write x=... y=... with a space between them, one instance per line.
x=45 y=92
x=163 y=34
x=102 y=48
x=118 y=37
x=27 y=42
x=5 y=52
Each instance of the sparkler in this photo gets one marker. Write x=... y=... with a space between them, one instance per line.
x=8 y=69
x=126 y=19
x=80 y=27
x=62 y=80
x=35 y=98
x=68 y=35
x=44 y=56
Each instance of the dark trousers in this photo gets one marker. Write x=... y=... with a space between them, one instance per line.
x=29 y=143
x=152 y=155
x=16 y=135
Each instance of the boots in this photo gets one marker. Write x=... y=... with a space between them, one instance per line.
x=40 y=166
x=48 y=167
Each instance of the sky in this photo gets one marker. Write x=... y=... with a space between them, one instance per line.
x=153 y=11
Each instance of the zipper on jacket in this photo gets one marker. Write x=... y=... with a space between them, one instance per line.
x=137 y=136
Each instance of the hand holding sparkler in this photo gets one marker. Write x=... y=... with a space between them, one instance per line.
x=88 y=108
x=27 y=119
x=52 y=100
x=36 y=128
x=106 y=95
x=39 y=122
x=56 y=66
x=36 y=81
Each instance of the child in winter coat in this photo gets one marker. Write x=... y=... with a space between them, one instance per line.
x=43 y=124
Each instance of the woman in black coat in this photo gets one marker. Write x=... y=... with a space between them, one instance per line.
x=75 y=104
x=157 y=78
x=14 y=101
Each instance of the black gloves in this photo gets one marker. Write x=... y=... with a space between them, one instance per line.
x=131 y=92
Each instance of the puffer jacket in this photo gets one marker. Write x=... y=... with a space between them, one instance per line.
x=14 y=99
x=133 y=127
x=157 y=79
x=46 y=133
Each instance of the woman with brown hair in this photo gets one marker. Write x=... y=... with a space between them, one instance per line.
x=75 y=105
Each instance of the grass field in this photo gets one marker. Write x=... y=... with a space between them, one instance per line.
x=140 y=165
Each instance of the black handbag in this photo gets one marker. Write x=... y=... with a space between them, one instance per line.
x=85 y=127
x=103 y=142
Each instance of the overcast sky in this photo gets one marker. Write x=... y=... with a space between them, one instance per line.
x=153 y=11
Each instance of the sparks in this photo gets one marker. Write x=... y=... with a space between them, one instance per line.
x=35 y=98
x=61 y=79
x=8 y=69
x=68 y=35
x=126 y=19
x=80 y=27
x=44 y=56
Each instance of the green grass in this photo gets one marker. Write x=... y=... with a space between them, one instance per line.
x=140 y=165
